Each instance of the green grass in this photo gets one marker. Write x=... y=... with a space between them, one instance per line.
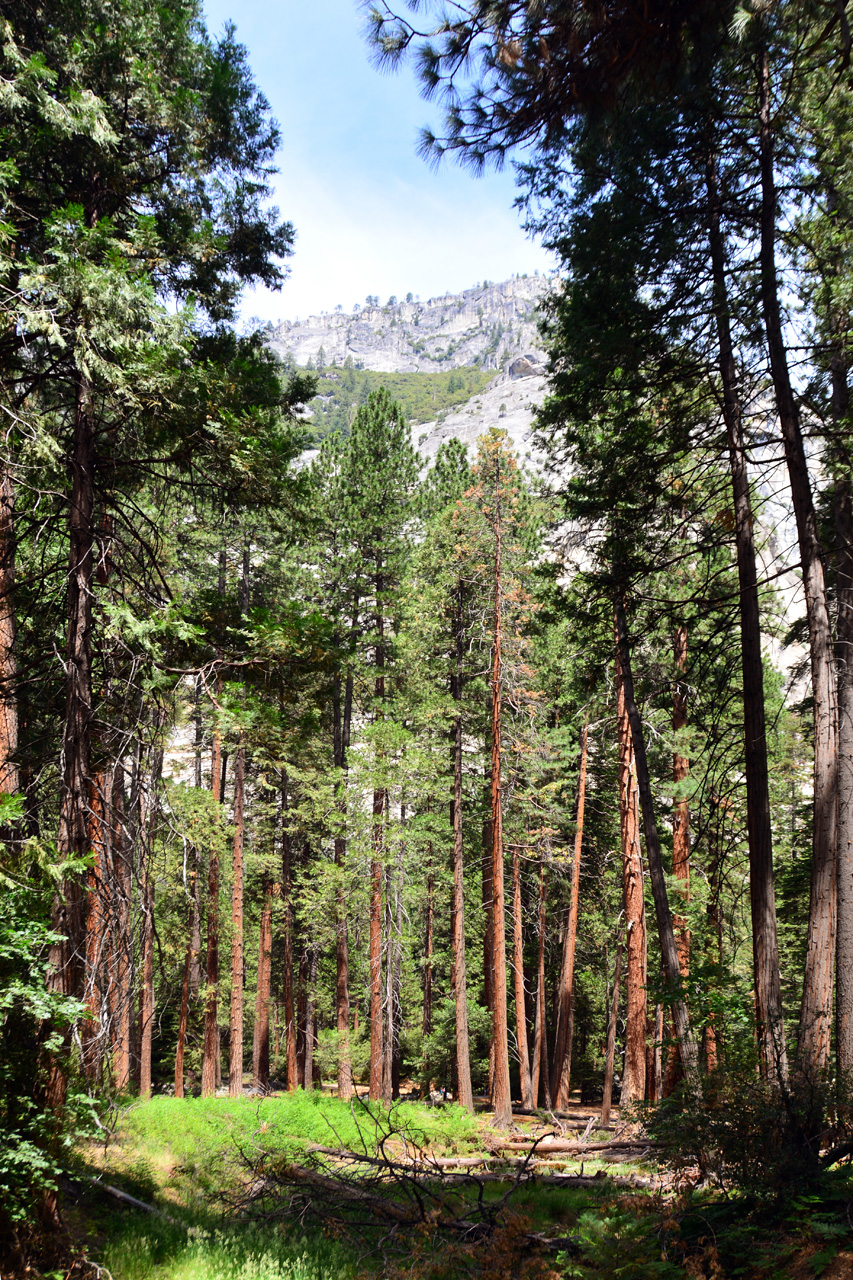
x=195 y=1148
x=145 y=1251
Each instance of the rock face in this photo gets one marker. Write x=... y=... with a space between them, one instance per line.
x=490 y=326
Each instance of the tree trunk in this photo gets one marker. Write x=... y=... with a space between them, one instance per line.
x=488 y=920
x=121 y=878
x=669 y=950
x=261 y=1036
x=148 y=830
x=292 y=1074
x=185 y=1008
x=68 y=955
x=562 y=1069
x=610 y=1053
x=634 y=1073
x=343 y=720
x=501 y=1098
x=375 y=1087
x=771 y=1036
x=464 y=1091
x=815 y=1028
x=9 y=781
x=211 y=1004
x=310 y=1020
x=680 y=834
x=844 y=966
x=540 y=1029
x=520 y=1004
x=426 y=1020
x=235 y=1043
x=376 y=1045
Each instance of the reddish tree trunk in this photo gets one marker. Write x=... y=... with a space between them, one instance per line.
x=426 y=1020
x=235 y=1043
x=96 y=931
x=610 y=1053
x=634 y=1073
x=527 y=1099
x=540 y=1030
x=669 y=950
x=562 y=1070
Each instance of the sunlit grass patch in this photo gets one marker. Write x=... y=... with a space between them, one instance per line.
x=161 y=1252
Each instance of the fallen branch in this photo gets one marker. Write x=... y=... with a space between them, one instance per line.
x=123 y=1196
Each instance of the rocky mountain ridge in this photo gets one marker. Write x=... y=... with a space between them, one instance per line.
x=489 y=326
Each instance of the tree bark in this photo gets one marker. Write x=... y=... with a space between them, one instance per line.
x=464 y=1091
x=426 y=1019
x=235 y=1043
x=121 y=878
x=771 y=1036
x=68 y=955
x=183 y=1017
x=501 y=1100
x=669 y=950
x=680 y=834
x=815 y=1030
x=520 y=1003
x=610 y=1053
x=634 y=1073
x=211 y=1004
x=540 y=1027
x=148 y=830
x=292 y=1074
x=376 y=1043
x=261 y=1035
x=343 y=720
x=844 y=965
x=562 y=1070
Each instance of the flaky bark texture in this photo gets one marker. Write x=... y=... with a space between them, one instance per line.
x=235 y=1048
x=518 y=975
x=610 y=1051
x=122 y=884
x=666 y=934
x=815 y=1029
x=765 y=947
x=634 y=1071
x=564 y=1034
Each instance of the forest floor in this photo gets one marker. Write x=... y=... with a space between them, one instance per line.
x=306 y=1187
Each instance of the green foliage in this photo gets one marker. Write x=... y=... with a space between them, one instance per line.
x=34 y=1140
x=422 y=396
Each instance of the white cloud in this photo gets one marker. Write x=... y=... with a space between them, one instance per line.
x=356 y=237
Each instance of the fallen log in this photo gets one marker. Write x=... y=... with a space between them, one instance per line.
x=124 y=1198
x=578 y=1148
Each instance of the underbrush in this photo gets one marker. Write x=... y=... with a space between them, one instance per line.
x=200 y=1147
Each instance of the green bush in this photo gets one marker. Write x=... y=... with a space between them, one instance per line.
x=33 y=1020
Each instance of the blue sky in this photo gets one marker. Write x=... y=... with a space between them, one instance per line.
x=371 y=217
